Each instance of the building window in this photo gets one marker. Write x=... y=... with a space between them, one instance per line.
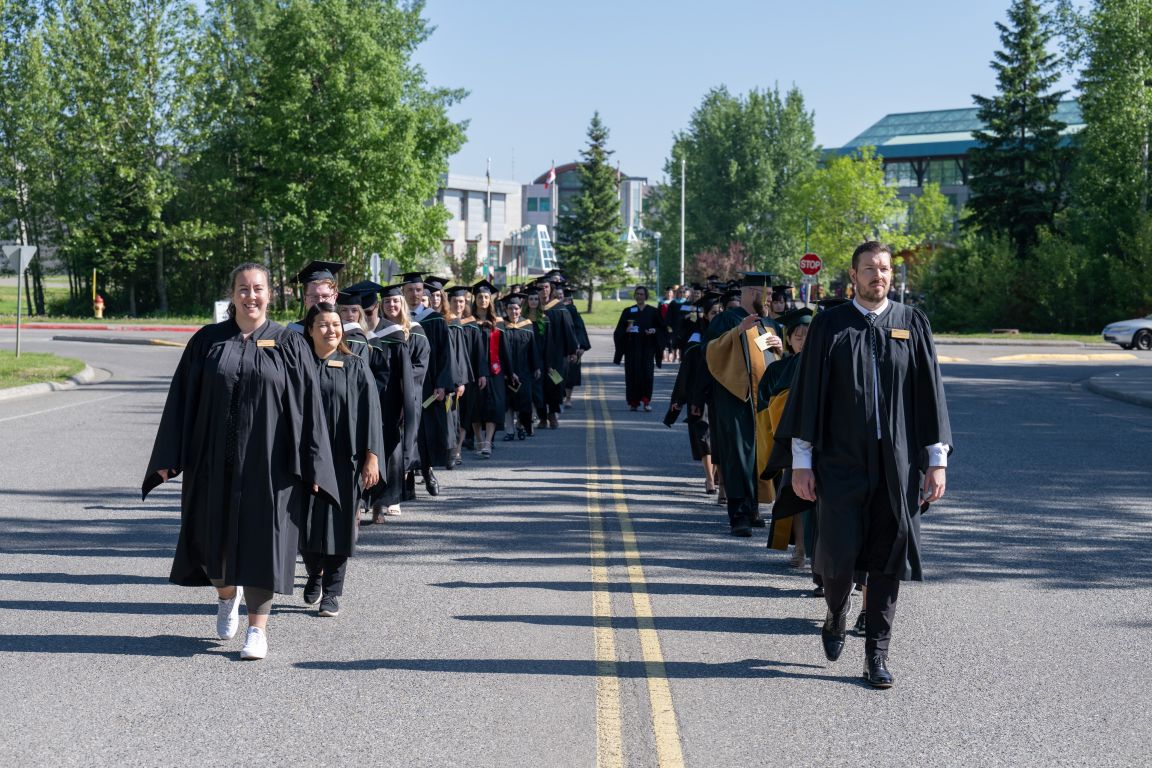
x=545 y=205
x=946 y=173
x=899 y=175
x=532 y=203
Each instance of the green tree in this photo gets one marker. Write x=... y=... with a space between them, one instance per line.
x=1019 y=170
x=847 y=202
x=351 y=142
x=743 y=155
x=972 y=286
x=1115 y=174
x=589 y=241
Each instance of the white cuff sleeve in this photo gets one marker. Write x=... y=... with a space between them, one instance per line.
x=801 y=454
x=937 y=454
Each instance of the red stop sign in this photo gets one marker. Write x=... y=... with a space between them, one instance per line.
x=810 y=264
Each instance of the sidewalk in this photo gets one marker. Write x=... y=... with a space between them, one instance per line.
x=104 y=327
x=1132 y=385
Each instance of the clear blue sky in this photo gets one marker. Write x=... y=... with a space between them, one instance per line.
x=536 y=70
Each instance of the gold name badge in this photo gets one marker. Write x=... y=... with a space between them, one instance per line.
x=265 y=342
x=335 y=363
x=900 y=333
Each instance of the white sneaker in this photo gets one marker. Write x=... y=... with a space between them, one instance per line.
x=255 y=645
x=228 y=615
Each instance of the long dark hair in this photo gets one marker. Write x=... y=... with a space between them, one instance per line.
x=232 y=283
x=324 y=308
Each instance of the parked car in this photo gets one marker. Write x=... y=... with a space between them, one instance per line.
x=1130 y=333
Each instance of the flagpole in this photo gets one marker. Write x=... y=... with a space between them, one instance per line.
x=682 y=174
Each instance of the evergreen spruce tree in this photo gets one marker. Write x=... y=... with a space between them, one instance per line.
x=1019 y=170
x=588 y=241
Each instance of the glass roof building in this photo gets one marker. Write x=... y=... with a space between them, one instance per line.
x=922 y=147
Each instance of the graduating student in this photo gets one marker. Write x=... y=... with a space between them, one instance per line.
x=773 y=396
x=867 y=426
x=690 y=393
x=491 y=401
x=522 y=371
x=352 y=414
x=583 y=343
x=439 y=381
x=470 y=361
x=399 y=357
x=318 y=281
x=245 y=424
x=559 y=350
x=535 y=315
x=738 y=346
x=639 y=339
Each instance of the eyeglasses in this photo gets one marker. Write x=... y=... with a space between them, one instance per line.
x=318 y=296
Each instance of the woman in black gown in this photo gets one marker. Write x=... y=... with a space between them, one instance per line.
x=639 y=338
x=245 y=425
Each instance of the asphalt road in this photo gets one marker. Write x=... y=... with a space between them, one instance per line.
x=497 y=626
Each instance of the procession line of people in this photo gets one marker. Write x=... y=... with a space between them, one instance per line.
x=838 y=419
x=284 y=434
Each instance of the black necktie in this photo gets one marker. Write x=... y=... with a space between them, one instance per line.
x=874 y=370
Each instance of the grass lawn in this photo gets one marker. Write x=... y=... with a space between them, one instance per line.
x=1081 y=337
x=8 y=296
x=34 y=367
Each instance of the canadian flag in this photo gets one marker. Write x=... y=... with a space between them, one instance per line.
x=550 y=179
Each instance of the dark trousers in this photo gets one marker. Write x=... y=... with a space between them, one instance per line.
x=881 y=528
x=334 y=567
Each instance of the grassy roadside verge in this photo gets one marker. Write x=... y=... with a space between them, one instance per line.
x=35 y=367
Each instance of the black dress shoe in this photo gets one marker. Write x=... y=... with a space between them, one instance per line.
x=432 y=484
x=818 y=590
x=758 y=522
x=876 y=671
x=832 y=634
x=860 y=628
x=742 y=530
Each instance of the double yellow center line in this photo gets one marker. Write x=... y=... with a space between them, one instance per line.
x=606 y=490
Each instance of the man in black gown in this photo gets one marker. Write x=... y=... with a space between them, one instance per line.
x=439 y=382
x=867 y=425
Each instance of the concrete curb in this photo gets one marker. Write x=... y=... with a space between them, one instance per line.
x=116 y=340
x=101 y=327
x=1110 y=385
x=86 y=376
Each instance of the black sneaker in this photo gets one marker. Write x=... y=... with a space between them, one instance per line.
x=312 y=590
x=330 y=606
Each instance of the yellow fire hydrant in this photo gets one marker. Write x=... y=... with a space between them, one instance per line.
x=98 y=307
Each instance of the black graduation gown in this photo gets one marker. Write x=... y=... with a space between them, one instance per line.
x=435 y=427
x=559 y=343
x=523 y=360
x=352 y=411
x=491 y=402
x=684 y=392
x=245 y=425
x=641 y=351
x=575 y=373
x=831 y=406
x=469 y=359
x=400 y=397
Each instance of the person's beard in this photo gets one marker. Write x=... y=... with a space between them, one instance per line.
x=758 y=307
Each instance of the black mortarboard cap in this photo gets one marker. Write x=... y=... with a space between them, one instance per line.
x=757 y=279
x=696 y=287
x=516 y=298
x=707 y=301
x=457 y=290
x=411 y=277
x=368 y=291
x=319 y=270
x=388 y=291
x=352 y=299
x=483 y=286
x=713 y=278
x=795 y=317
x=730 y=295
x=437 y=283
